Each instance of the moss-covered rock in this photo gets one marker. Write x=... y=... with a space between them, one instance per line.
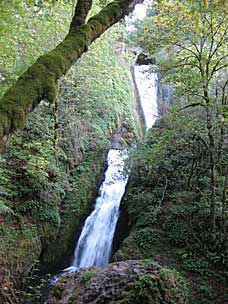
x=75 y=208
x=121 y=283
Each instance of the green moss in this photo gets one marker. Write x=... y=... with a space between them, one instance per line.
x=4 y=121
x=147 y=239
x=157 y=289
x=93 y=24
x=75 y=44
x=37 y=82
x=19 y=249
x=86 y=276
x=51 y=186
x=76 y=205
x=129 y=250
x=109 y=14
x=55 y=63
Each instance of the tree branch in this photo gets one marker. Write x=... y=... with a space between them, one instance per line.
x=192 y=105
x=81 y=12
x=186 y=49
x=216 y=67
x=40 y=80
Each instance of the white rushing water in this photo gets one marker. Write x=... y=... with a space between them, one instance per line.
x=95 y=243
x=147 y=87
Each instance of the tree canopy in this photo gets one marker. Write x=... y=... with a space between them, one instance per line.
x=191 y=53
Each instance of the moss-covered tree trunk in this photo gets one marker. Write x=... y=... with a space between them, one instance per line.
x=40 y=80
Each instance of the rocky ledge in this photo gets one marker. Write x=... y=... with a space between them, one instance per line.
x=128 y=282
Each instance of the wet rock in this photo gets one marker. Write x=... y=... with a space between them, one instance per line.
x=128 y=282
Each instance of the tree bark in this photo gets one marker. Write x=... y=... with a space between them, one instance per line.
x=56 y=122
x=224 y=201
x=40 y=80
x=212 y=167
x=221 y=143
x=81 y=11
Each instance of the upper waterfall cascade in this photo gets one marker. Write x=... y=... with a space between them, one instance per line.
x=147 y=88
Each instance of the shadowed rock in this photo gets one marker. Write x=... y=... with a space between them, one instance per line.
x=121 y=283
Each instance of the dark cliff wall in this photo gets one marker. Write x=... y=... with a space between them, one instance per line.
x=164 y=96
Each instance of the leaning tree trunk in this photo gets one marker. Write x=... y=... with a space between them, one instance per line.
x=40 y=80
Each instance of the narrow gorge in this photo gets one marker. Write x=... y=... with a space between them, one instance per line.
x=94 y=246
x=113 y=152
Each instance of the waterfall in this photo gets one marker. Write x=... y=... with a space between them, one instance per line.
x=95 y=242
x=147 y=88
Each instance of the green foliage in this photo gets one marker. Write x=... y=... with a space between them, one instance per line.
x=181 y=280
x=129 y=250
x=37 y=174
x=191 y=56
x=4 y=209
x=153 y=289
x=40 y=24
x=103 y=3
x=90 y=111
x=142 y=212
x=168 y=201
x=205 y=291
x=162 y=164
x=35 y=286
x=16 y=243
x=45 y=174
x=186 y=48
x=194 y=263
x=146 y=289
x=86 y=276
x=107 y=91
x=177 y=233
x=147 y=239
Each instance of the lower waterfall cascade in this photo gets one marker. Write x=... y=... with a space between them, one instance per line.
x=95 y=242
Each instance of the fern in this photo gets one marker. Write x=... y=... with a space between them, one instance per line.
x=4 y=209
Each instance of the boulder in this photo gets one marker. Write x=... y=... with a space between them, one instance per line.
x=127 y=282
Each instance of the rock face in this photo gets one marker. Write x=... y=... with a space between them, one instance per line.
x=164 y=96
x=128 y=282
